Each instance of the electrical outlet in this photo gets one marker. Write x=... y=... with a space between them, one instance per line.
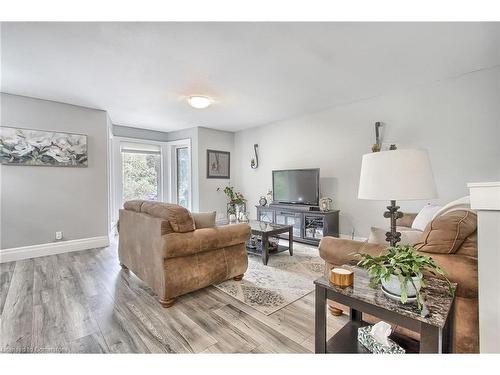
x=59 y=235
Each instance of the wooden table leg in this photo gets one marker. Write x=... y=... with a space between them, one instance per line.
x=290 y=241
x=448 y=332
x=265 y=249
x=431 y=339
x=320 y=320
x=355 y=315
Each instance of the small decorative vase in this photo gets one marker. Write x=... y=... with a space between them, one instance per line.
x=243 y=217
x=393 y=285
x=239 y=209
x=269 y=199
x=230 y=209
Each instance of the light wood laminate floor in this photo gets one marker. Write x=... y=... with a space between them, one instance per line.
x=83 y=302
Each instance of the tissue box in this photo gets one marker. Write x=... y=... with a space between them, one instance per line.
x=369 y=342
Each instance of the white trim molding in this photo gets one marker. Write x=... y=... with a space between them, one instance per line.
x=35 y=251
x=485 y=199
x=485 y=195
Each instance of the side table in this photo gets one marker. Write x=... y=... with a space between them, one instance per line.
x=434 y=322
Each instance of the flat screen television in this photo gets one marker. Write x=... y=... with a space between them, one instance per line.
x=297 y=186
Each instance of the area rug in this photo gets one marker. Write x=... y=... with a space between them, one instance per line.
x=284 y=280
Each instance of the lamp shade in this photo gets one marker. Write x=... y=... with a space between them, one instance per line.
x=396 y=175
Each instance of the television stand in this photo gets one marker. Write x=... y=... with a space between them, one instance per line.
x=310 y=224
x=297 y=207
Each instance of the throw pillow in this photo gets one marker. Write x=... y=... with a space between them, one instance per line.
x=408 y=236
x=424 y=217
x=447 y=232
x=459 y=204
x=204 y=219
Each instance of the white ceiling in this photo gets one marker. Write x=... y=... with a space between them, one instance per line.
x=256 y=72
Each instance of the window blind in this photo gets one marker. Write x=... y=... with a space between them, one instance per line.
x=140 y=148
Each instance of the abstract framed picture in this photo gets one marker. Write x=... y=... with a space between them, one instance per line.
x=31 y=147
x=218 y=164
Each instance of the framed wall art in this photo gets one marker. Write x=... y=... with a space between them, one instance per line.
x=31 y=147
x=218 y=164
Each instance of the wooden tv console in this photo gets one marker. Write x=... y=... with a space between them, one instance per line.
x=309 y=223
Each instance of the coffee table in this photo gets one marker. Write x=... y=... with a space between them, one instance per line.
x=265 y=230
x=434 y=322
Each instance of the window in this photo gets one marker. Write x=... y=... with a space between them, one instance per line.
x=150 y=170
x=182 y=169
x=141 y=175
x=180 y=172
x=141 y=166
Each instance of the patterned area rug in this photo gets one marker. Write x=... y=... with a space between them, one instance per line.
x=284 y=280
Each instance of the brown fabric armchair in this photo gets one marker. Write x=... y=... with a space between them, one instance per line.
x=159 y=243
x=451 y=240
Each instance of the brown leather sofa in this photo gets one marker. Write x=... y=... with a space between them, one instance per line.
x=160 y=244
x=451 y=240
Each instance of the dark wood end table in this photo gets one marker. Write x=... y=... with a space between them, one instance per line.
x=434 y=322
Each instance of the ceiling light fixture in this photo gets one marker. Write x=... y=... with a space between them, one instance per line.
x=199 y=102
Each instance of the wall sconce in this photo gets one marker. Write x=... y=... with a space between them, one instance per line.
x=254 y=163
x=377 y=146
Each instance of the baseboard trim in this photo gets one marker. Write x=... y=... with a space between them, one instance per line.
x=35 y=251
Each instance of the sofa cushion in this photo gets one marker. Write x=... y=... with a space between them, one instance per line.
x=204 y=219
x=406 y=220
x=469 y=247
x=445 y=234
x=459 y=204
x=178 y=217
x=133 y=205
x=424 y=217
x=408 y=236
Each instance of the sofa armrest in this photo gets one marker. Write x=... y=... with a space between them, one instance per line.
x=140 y=247
x=205 y=239
x=338 y=251
x=460 y=269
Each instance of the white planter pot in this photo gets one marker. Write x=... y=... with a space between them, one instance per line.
x=393 y=285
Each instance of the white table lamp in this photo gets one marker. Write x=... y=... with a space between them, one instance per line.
x=396 y=175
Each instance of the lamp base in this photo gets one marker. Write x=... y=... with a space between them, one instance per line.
x=393 y=237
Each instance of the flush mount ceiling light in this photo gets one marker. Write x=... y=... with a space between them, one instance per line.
x=199 y=101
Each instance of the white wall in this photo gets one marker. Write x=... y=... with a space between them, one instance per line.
x=457 y=120
x=210 y=198
x=38 y=201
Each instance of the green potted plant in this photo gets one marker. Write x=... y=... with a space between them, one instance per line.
x=400 y=272
x=236 y=200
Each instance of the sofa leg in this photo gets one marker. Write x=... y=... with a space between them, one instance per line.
x=169 y=302
x=123 y=266
x=334 y=311
x=238 y=278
